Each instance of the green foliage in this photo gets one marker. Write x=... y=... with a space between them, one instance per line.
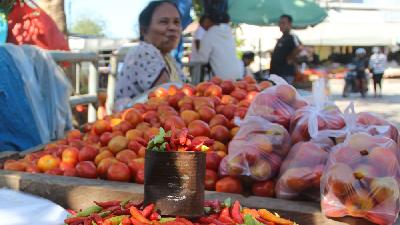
x=89 y=26
x=198 y=8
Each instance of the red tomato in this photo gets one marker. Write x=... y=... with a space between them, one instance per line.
x=210 y=180
x=264 y=188
x=229 y=185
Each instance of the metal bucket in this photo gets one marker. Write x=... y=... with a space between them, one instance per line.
x=174 y=182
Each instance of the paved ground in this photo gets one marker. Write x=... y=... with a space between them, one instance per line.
x=387 y=106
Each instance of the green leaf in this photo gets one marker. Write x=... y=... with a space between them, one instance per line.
x=250 y=220
x=204 y=148
x=163 y=147
x=228 y=202
x=159 y=138
x=167 y=219
x=207 y=210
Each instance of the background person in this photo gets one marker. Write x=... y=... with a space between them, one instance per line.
x=218 y=47
x=361 y=64
x=247 y=59
x=283 y=59
x=377 y=64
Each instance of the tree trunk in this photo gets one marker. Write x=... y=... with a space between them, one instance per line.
x=55 y=9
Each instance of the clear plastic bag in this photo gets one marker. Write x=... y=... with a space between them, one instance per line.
x=277 y=104
x=320 y=115
x=361 y=179
x=302 y=169
x=257 y=150
x=377 y=126
x=362 y=122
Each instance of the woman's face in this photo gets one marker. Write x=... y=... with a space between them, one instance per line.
x=164 y=31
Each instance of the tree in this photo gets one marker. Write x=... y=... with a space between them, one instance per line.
x=198 y=7
x=55 y=9
x=88 y=26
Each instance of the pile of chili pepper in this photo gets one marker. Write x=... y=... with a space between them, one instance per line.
x=134 y=213
x=178 y=140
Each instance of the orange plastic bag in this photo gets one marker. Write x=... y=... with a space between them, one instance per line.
x=361 y=179
x=302 y=169
x=257 y=150
x=29 y=24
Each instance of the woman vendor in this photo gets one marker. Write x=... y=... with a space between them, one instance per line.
x=149 y=64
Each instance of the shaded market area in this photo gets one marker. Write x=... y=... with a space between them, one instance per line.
x=211 y=112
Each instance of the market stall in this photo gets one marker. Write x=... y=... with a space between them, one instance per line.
x=262 y=140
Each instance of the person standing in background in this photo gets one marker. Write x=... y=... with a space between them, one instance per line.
x=247 y=59
x=204 y=24
x=377 y=64
x=283 y=60
x=361 y=64
x=218 y=47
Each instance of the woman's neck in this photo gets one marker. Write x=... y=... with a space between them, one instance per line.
x=162 y=52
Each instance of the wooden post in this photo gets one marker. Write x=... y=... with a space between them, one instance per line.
x=111 y=84
x=93 y=81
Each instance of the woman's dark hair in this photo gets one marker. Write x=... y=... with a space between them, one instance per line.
x=146 y=15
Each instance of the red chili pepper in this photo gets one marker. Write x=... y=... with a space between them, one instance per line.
x=148 y=210
x=261 y=220
x=226 y=219
x=235 y=212
x=72 y=212
x=87 y=221
x=97 y=218
x=74 y=219
x=155 y=216
x=206 y=220
x=126 y=221
x=136 y=222
x=80 y=223
x=168 y=147
x=131 y=203
x=173 y=223
x=225 y=212
x=138 y=216
x=108 y=204
x=112 y=208
x=183 y=220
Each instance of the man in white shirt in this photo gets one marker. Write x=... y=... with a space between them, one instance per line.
x=218 y=48
x=377 y=64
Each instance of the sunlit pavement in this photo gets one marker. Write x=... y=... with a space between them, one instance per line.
x=388 y=106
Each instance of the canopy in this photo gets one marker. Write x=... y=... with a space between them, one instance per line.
x=341 y=28
x=267 y=12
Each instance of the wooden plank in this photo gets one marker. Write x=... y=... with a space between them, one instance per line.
x=60 y=56
x=77 y=193
x=82 y=99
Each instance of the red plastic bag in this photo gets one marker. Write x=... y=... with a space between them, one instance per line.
x=257 y=150
x=320 y=115
x=302 y=169
x=29 y=24
x=277 y=104
x=361 y=179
